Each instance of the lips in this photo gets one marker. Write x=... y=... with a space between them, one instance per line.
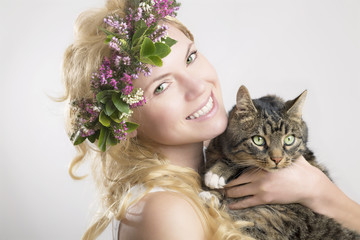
x=203 y=111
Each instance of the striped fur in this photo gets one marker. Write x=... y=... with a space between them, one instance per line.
x=235 y=150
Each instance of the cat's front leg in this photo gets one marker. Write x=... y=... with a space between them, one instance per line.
x=219 y=174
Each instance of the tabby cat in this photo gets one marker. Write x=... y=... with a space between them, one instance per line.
x=269 y=134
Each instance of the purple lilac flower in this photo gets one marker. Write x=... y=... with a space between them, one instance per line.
x=120 y=131
x=121 y=26
x=129 y=19
x=93 y=110
x=138 y=104
x=127 y=89
x=114 y=83
x=86 y=132
x=163 y=8
x=87 y=115
x=94 y=81
x=104 y=73
x=110 y=20
x=159 y=33
x=126 y=60
x=126 y=79
x=144 y=69
x=150 y=20
x=115 y=44
x=138 y=15
x=117 y=60
x=134 y=76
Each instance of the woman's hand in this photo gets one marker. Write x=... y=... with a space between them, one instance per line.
x=294 y=184
x=300 y=183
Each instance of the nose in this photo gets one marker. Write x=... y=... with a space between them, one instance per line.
x=276 y=160
x=194 y=86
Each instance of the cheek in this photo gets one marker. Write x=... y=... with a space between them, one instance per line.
x=158 y=120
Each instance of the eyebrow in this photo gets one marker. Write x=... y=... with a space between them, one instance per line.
x=156 y=79
x=160 y=77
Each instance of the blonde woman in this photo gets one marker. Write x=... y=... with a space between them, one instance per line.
x=141 y=114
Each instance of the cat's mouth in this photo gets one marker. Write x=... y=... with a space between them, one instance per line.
x=204 y=110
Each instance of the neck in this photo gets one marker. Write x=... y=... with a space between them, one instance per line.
x=189 y=155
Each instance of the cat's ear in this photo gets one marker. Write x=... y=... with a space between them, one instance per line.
x=295 y=106
x=244 y=104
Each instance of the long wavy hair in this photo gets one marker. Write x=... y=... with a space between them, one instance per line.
x=133 y=161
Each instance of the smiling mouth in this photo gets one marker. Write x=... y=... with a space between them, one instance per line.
x=203 y=111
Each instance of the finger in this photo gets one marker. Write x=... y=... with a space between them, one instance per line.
x=240 y=191
x=251 y=201
x=246 y=177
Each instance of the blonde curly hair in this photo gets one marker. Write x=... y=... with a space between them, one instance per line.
x=133 y=161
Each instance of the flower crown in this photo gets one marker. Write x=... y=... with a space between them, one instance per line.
x=136 y=42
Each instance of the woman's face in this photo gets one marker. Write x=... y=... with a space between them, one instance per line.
x=184 y=102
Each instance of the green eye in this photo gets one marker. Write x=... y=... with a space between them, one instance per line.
x=258 y=140
x=191 y=58
x=289 y=140
x=162 y=87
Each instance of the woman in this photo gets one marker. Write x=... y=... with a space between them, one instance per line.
x=148 y=175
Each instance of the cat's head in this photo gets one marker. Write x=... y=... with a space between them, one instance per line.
x=267 y=132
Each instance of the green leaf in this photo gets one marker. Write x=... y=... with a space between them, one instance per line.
x=104 y=120
x=161 y=49
x=105 y=95
x=124 y=43
x=111 y=140
x=120 y=104
x=102 y=96
x=169 y=41
x=138 y=34
x=115 y=117
x=107 y=31
x=110 y=108
x=109 y=38
x=93 y=137
x=153 y=60
x=141 y=24
x=79 y=139
x=104 y=133
x=147 y=48
x=131 y=126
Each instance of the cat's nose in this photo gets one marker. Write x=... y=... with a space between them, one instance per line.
x=276 y=159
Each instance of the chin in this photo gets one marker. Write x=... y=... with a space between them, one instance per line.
x=218 y=126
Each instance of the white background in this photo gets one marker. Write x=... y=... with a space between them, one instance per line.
x=277 y=46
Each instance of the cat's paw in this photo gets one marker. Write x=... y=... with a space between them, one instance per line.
x=206 y=196
x=214 y=181
x=209 y=197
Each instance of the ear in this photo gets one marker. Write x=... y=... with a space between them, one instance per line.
x=244 y=104
x=296 y=105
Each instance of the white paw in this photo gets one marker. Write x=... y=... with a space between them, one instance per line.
x=206 y=196
x=214 y=181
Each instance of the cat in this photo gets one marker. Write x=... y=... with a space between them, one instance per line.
x=269 y=134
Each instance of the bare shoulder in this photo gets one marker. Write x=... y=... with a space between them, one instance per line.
x=162 y=215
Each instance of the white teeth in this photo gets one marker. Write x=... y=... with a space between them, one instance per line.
x=203 y=111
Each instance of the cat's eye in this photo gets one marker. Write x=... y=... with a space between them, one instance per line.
x=289 y=140
x=258 y=140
